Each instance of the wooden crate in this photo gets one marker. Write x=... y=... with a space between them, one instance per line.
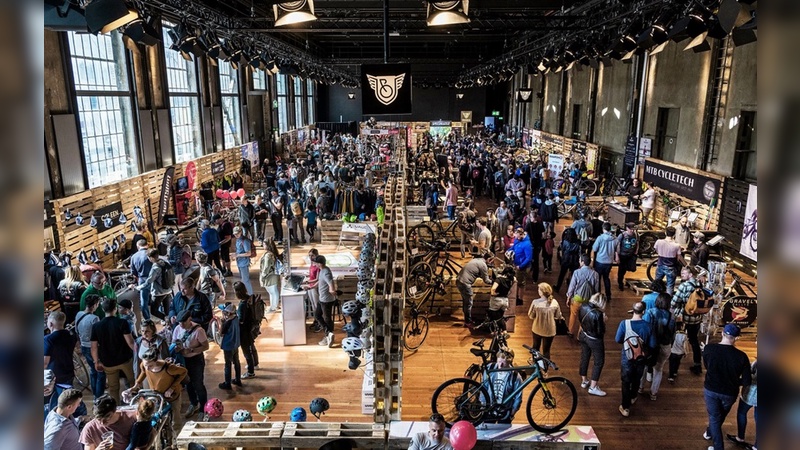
x=232 y=434
x=316 y=434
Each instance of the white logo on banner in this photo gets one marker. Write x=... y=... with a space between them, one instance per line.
x=525 y=95
x=466 y=116
x=386 y=87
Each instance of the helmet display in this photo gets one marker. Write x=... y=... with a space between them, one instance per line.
x=266 y=405
x=214 y=408
x=351 y=344
x=362 y=296
x=368 y=284
x=242 y=415
x=297 y=415
x=318 y=406
x=350 y=307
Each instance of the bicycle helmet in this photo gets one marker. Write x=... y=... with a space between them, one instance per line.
x=214 y=408
x=351 y=344
x=49 y=382
x=368 y=284
x=362 y=296
x=318 y=406
x=350 y=307
x=242 y=415
x=297 y=415
x=266 y=405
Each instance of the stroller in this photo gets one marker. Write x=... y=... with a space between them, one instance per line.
x=163 y=432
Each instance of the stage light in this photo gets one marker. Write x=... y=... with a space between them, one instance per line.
x=746 y=33
x=697 y=41
x=142 y=32
x=732 y=14
x=447 y=12
x=658 y=48
x=105 y=16
x=290 y=13
x=690 y=26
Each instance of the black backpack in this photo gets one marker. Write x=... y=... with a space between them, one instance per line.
x=259 y=309
x=627 y=245
x=167 y=274
x=664 y=333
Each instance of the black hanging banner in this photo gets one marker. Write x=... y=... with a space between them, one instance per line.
x=692 y=185
x=108 y=216
x=386 y=89
x=166 y=194
x=218 y=167
x=579 y=147
x=630 y=155
x=524 y=95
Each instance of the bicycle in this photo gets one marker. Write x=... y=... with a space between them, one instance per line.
x=431 y=231
x=549 y=408
x=215 y=327
x=163 y=436
x=613 y=185
x=686 y=256
x=431 y=269
x=750 y=231
x=565 y=185
x=81 y=380
x=499 y=340
x=739 y=292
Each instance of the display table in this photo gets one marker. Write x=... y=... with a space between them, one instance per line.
x=619 y=214
x=504 y=436
x=293 y=316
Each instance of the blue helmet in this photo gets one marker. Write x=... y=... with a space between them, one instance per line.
x=298 y=415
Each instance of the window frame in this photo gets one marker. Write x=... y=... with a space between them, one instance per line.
x=284 y=120
x=236 y=98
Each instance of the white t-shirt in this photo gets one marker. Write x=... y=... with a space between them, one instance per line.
x=421 y=441
x=649 y=198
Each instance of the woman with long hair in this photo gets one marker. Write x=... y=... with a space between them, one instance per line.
x=70 y=290
x=592 y=318
x=544 y=311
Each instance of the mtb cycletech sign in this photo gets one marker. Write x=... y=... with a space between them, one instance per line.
x=692 y=185
x=386 y=88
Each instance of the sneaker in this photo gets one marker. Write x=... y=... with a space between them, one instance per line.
x=584 y=384
x=597 y=391
x=624 y=411
x=649 y=377
x=256 y=367
x=653 y=397
x=325 y=341
x=706 y=436
x=248 y=375
x=697 y=369
x=237 y=383
x=331 y=340
x=191 y=411
x=633 y=400
x=225 y=386
x=671 y=378
x=640 y=391
x=203 y=417
x=316 y=330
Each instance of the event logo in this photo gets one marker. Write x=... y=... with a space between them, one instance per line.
x=709 y=190
x=466 y=116
x=386 y=87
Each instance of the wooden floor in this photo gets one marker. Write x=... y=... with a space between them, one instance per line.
x=295 y=375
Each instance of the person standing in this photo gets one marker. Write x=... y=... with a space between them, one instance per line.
x=160 y=295
x=484 y=238
x=691 y=322
x=225 y=230
x=727 y=370
x=191 y=341
x=523 y=255
x=503 y=383
x=668 y=253
x=683 y=234
x=662 y=325
x=112 y=347
x=549 y=212
x=605 y=256
x=191 y=300
x=631 y=370
x=161 y=376
x=246 y=213
x=60 y=427
x=248 y=329
x=451 y=199
x=584 y=284
x=535 y=230
x=472 y=270
x=311 y=287
x=569 y=255
x=175 y=257
x=700 y=250
x=434 y=439
x=84 y=322
x=498 y=300
x=548 y=250
x=243 y=247
x=648 y=199
x=544 y=311
x=748 y=400
x=276 y=216
x=140 y=268
x=99 y=287
x=627 y=248
x=230 y=346
x=58 y=348
x=210 y=280
x=592 y=318
x=326 y=288
x=262 y=211
x=503 y=215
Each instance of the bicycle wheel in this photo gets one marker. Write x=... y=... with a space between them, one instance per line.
x=215 y=332
x=82 y=379
x=417 y=235
x=552 y=404
x=563 y=210
x=651 y=269
x=561 y=185
x=589 y=187
x=120 y=286
x=647 y=242
x=460 y=399
x=419 y=280
x=415 y=332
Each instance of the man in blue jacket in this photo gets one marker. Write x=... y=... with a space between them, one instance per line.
x=523 y=257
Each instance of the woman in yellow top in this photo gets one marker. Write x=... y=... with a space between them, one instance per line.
x=544 y=311
x=161 y=376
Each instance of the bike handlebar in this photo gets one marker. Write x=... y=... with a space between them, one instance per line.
x=538 y=356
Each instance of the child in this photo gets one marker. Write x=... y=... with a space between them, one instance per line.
x=678 y=352
x=469 y=201
x=143 y=428
x=126 y=313
x=230 y=346
x=311 y=222
x=549 y=247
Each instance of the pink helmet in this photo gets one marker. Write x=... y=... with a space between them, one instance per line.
x=214 y=408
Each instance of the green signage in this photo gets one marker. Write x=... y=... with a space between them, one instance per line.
x=499 y=118
x=495 y=113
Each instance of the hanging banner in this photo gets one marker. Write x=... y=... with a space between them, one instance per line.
x=218 y=167
x=250 y=153
x=579 y=147
x=629 y=160
x=692 y=185
x=524 y=95
x=166 y=194
x=555 y=161
x=466 y=116
x=108 y=216
x=387 y=89
x=749 y=245
x=191 y=174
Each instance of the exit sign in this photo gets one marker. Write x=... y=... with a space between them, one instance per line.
x=499 y=118
x=495 y=113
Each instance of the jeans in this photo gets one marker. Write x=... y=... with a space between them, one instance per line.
x=311 y=230
x=163 y=302
x=692 y=334
x=631 y=374
x=112 y=374
x=537 y=251
x=547 y=260
x=741 y=420
x=451 y=212
x=277 y=227
x=658 y=369
x=669 y=272
x=261 y=226
x=213 y=258
x=562 y=274
x=297 y=225
x=466 y=300
x=542 y=344
x=324 y=315
x=195 y=387
x=232 y=358
x=624 y=263
x=718 y=407
x=674 y=364
x=244 y=274
x=250 y=355
x=144 y=301
x=97 y=380
x=604 y=270
x=596 y=349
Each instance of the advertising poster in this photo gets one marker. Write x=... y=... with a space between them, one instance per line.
x=749 y=245
x=250 y=153
x=555 y=161
x=690 y=183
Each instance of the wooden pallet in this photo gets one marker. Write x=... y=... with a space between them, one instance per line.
x=232 y=434
x=641 y=287
x=316 y=434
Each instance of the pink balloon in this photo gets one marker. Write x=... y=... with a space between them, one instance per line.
x=234 y=195
x=463 y=435
x=220 y=193
x=226 y=195
x=241 y=193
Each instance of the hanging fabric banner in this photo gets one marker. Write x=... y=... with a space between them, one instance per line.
x=166 y=195
x=387 y=89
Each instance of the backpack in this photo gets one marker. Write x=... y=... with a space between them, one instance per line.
x=167 y=274
x=546 y=174
x=583 y=235
x=69 y=293
x=664 y=333
x=259 y=309
x=186 y=256
x=628 y=245
x=699 y=302
x=633 y=345
x=207 y=283
x=498 y=177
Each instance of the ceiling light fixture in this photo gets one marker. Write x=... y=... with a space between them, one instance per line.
x=142 y=32
x=105 y=16
x=447 y=12
x=290 y=13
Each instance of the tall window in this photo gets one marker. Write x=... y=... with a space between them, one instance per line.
x=283 y=105
x=231 y=114
x=310 y=101
x=184 y=103
x=299 y=100
x=259 y=80
x=744 y=163
x=105 y=107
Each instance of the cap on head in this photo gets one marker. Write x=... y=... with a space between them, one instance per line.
x=732 y=330
x=125 y=303
x=237 y=230
x=184 y=316
x=699 y=235
x=229 y=308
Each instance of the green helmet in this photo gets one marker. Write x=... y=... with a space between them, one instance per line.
x=266 y=405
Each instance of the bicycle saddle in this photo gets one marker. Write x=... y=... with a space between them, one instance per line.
x=479 y=342
x=480 y=352
x=441 y=244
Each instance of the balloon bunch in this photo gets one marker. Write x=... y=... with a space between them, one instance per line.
x=230 y=195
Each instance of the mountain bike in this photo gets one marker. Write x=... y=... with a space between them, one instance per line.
x=565 y=184
x=686 y=256
x=499 y=340
x=431 y=231
x=738 y=297
x=750 y=231
x=436 y=267
x=613 y=185
x=549 y=408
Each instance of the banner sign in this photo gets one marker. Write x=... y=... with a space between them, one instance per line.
x=387 y=89
x=555 y=161
x=108 y=216
x=218 y=167
x=579 y=147
x=250 y=152
x=166 y=194
x=441 y=123
x=741 y=310
x=630 y=155
x=692 y=185
x=524 y=95
x=749 y=245
x=466 y=116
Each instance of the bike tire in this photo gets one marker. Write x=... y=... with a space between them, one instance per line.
x=647 y=242
x=560 y=396
x=82 y=379
x=461 y=399
x=215 y=332
x=415 y=332
x=120 y=286
x=419 y=280
x=754 y=241
x=417 y=237
x=589 y=187
x=561 y=186
x=651 y=269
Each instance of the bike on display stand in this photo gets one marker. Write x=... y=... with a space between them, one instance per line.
x=737 y=302
x=488 y=356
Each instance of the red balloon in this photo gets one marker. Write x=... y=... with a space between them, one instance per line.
x=463 y=435
x=226 y=195
x=220 y=193
x=234 y=195
x=241 y=193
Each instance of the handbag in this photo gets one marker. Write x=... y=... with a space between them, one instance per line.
x=561 y=327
